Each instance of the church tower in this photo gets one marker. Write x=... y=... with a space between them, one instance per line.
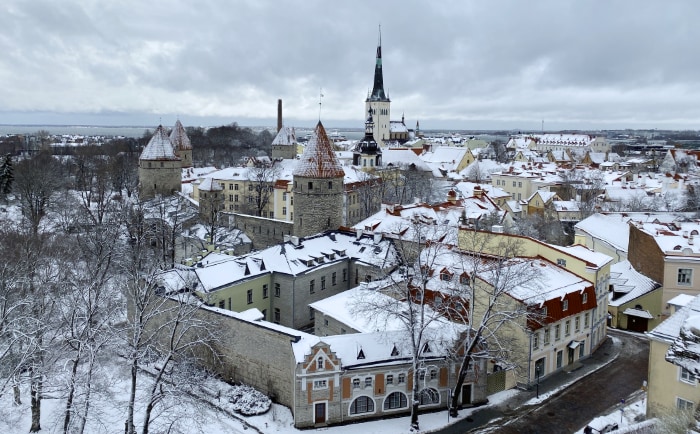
x=367 y=154
x=160 y=170
x=379 y=102
x=318 y=187
x=181 y=144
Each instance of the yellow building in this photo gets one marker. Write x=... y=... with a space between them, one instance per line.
x=673 y=366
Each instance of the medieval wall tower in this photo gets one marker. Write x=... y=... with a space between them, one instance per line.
x=318 y=187
x=181 y=144
x=160 y=170
x=378 y=101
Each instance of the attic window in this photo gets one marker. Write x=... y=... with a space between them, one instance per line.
x=445 y=276
x=361 y=354
x=394 y=351
x=677 y=248
x=561 y=262
x=426 y=348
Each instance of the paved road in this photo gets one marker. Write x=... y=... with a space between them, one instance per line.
x=596 y=394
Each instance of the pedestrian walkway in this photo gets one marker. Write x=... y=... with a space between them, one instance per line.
x=548 y=387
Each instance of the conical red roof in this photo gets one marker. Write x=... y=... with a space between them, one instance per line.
x=318 y=159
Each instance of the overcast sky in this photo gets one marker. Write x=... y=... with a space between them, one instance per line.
x=449 y=64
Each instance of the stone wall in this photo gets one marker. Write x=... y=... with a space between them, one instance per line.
x=263 y=232
x=252 y=354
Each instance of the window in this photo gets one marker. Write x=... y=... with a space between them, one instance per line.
x=544 y=311
x=389 y=379
x=445 y=276
x=235 y=187
x=277 y=315
x=320 y=384
x=264 y=314
x=402 y=378
x=546 y=336
x=513 y=183
x=686 y=376
x=429 y=396
x=277 y=289
x=559 y=358
x=395 y=400
x=222 y=304
x=577 y=323
x=585 y=319
x=323 y=283
x=345 y=275
x=319 y=363
x=584 y=298
x=567 y=328
x=557 y=332
x=250 y=296
x=229 y=303
x=363 y=404
x=355 y=383
x=421 y=375
x=463 y=279
x=685 y=276
x=368 y=381
x=433 y=374
x=520 y=184
x=561 y=262
x=565 y=305
x=330 y=185
x=235 y=198
x=284 y=210
x=311 y=313
x=265 y=291
x=536 y=340
x=230 y=198
x=312 y=285
x=333 y=279
x=311 y=185
x=684 y=404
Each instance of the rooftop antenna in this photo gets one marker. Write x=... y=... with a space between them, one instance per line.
x=320 y=97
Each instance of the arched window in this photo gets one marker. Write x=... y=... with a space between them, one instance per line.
x=429 y=396
x=395 y=400
x=363 y=404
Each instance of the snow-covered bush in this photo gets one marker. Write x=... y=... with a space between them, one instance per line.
x=248 y=401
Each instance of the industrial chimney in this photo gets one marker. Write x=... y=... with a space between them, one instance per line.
x=279 y=115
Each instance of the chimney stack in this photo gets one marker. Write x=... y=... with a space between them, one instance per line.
x=279 y=115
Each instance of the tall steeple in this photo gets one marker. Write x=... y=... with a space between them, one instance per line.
x=377 y=102
x=378 y=93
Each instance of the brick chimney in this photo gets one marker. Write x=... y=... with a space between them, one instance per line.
x=279 y=115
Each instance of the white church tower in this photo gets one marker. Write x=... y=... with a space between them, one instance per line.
x=378 y=102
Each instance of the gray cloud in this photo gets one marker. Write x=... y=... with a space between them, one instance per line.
x=449 y=64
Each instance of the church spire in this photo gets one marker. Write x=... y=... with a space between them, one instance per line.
x=378 y=93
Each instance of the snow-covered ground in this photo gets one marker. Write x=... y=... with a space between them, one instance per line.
x=187 y=415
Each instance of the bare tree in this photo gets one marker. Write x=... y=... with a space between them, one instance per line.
x=36 y=180
x=260 y=181
x=489 y=270
x=408 y=301
x=162 y=325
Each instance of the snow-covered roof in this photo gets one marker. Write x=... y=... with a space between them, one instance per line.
x=552 y=282
x=285 y=136
x=179 y=138
x=670 y=328
x=397 y=127
x=592 y=257
x=611 y=228
x=681 y=300
x=217 y=271
x=629 y=282
x=159 y=147
x=210 y=184
x=403 y=157
x=318 y=159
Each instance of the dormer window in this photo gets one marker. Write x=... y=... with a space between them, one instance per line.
x=445 y=276
x=361 y=354
x=394 y=351
x=319 y=363
x=565 y=305
x=426 y=348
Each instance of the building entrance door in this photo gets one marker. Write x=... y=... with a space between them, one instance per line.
x=320 y=412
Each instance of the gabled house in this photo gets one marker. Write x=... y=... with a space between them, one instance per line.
x=634 y=299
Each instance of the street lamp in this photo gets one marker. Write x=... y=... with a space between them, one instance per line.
x=537 y=373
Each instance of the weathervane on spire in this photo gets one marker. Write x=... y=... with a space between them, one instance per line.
x=320 y=97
